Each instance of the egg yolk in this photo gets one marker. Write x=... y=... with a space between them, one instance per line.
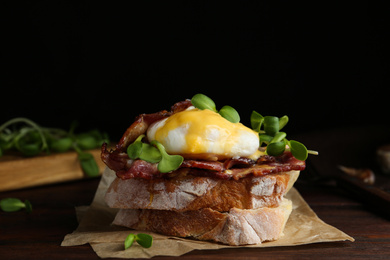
x=195 y=132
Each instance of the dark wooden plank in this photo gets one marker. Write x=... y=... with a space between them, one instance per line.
x=39 y=235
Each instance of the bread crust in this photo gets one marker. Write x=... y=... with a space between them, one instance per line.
x=236 y=227
x=188 y=193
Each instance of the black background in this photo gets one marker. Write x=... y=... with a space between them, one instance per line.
x=323 y=64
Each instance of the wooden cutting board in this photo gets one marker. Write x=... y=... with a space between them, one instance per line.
x=17 y=173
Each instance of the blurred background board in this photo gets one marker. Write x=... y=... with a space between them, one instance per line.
x=17 y=173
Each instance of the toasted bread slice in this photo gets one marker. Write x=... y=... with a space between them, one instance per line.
x=189 y=192
x=236 y=227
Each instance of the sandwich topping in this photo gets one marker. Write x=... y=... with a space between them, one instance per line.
x=194 y=138
x=194 y=133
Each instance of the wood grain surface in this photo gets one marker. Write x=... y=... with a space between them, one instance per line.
x=16 y=172
x=38 y=235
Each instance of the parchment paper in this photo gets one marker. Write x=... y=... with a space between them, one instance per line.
x=303 y=227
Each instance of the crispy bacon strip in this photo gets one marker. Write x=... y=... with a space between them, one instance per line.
x=263 y=166
x=118 y=159
x=236 y=168
x=143 y=122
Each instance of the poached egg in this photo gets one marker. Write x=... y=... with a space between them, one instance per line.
x=204 y=134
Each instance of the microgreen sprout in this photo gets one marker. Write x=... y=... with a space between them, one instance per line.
x=30 y=139
x=275 y=139
x=143 y=151
x=256 y=121
x=143 y=240
x=135 y=149
x=298 y=150
x=268 y=128
x=14 y=204
x=154 y=153
x=202 y=102
x=230 y=114
x=168 y=162
x=87 y=163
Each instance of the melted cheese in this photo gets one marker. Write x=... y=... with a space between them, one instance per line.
x=198 y=133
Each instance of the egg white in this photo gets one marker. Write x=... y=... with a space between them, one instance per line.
x=203 y=132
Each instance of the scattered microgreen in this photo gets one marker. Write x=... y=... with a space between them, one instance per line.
x=282 y=122
x=298 y=150
x=271 y=125
x=88 y=163
x=230 y=114
x=14 y=204
x=150 y=153
x=268 y=128
x=168 y=162
x=86 y=141
x=265 y=139
x=143 y=240
x=30 y=139
x=256 y=121
x=129 y=240
x=143 y=151
x=276 y=149
x=275 y=139
x=61 y=144
x=202 y=102
x=135 y=149
x=154 y=153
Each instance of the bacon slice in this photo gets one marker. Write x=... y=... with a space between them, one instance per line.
x=143 y=122
x=222 y=170
x=236 y=168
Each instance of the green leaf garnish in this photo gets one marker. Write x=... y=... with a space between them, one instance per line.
x=203 y=102
x=154 y=153
x=14 y=204
x=256 y=121
x=282 y=122
x=264 y=138
x=143 y=240
x=275 y=139
x=129 y=241
x=86 y=141
x=150 y=153
x=298 y=150
x=31 y=139
x=279 y=136
x=62 y=145
x=143 y=151
x=135 y=149
x=230 y=114
x=271 y=125
x=88 y=164
x=276 y=149
x=168 y=162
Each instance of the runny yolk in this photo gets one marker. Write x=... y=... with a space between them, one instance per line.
x=204 y=131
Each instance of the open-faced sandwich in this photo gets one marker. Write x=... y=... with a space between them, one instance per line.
x=197 y=172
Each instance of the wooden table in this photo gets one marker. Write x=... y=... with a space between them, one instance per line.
x=39 y=235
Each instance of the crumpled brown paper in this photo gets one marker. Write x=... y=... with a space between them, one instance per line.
x=303 y=227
